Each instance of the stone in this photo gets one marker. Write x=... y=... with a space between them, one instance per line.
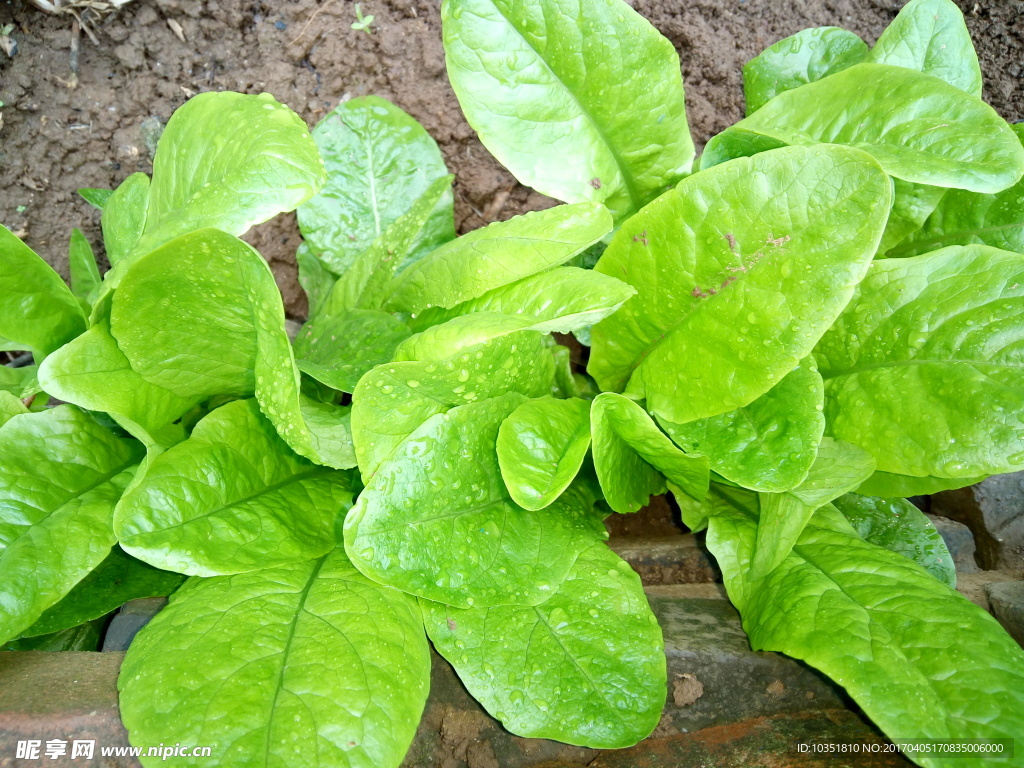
x=959 y=541
x=133 y=616
x=1007 y=600
x=973 y=586
x=150 y=129
x=994 y=511
x=704 y=638
x=679 y=559
x=686 y=689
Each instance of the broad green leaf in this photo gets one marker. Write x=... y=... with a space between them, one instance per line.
x=581 y=101
x=97 y=198
x=391 y=401
x=364 y=285
x=231 y=498
x=541 y=447
x=229 y=161
x=920 y=128
x=923 y=368
x=379 y=161
x=586 y=667
x=768 y=445
x=10 y=406
x=202 y=316
x=183 y=314
x=437 y=521
x=85 y=275
x=115 y=581
x=899 y=526
x=931 y=36
x=805 y=57
x=561 y=300
x=498 y=254
x=838 y=468
x=124 y=217
x=337 y=349
x=38 y=311
x=729 y=304
x=922 y=661
x=62 y=475
x=308 y=664
x=888 y=485
x=92 y=372
x=965 y=218
x=633 y=457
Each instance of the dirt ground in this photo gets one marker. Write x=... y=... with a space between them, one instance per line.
x=55 y=139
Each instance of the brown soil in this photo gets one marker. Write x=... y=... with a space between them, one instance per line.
x=56 y=139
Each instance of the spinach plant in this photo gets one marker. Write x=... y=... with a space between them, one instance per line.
x=813 y=321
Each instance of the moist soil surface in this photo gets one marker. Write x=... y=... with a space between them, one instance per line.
x=153 y=54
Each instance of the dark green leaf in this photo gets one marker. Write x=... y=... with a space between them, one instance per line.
x=899 y=526
x=115 y=581
x=809 y=55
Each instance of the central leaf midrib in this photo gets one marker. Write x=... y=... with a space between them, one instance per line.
x=627 y=175
x=279 y=683
x=445 y=516
x=313 y=472
x=102 y=480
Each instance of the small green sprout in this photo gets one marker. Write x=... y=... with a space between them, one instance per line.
x=362 y=23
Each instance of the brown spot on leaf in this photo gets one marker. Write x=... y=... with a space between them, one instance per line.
x=731 y=239
x=452 y=626
x=595 y=183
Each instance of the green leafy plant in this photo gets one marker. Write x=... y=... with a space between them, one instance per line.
x=362 y=23
x=819 y=317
